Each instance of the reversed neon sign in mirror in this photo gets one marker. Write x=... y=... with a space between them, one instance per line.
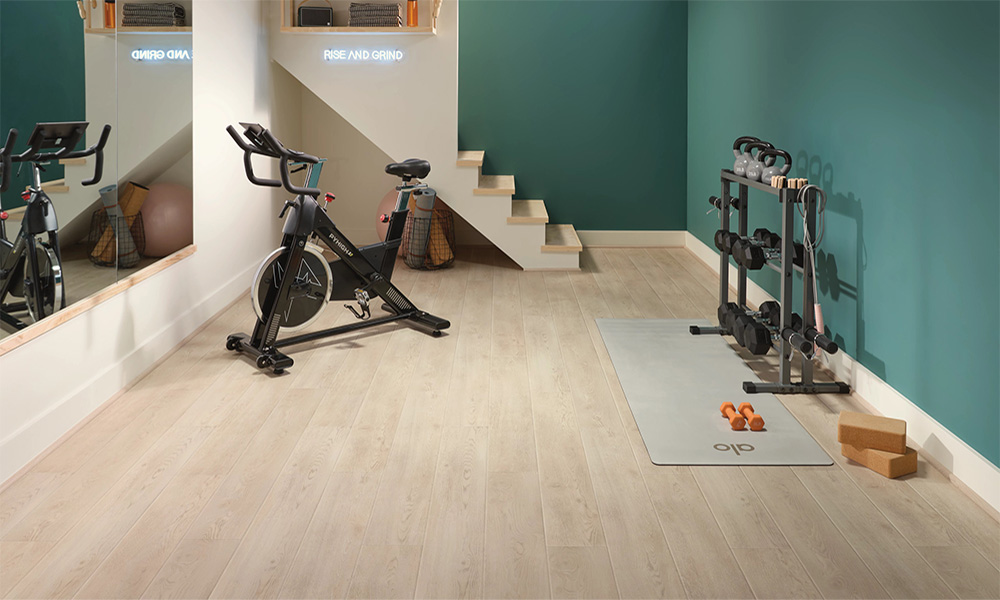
x=161 y=55
x=360 y=55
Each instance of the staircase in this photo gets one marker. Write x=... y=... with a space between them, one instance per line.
x=410 y=108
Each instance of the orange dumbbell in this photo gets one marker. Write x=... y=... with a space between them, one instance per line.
x=755 y=421
x=736 y=421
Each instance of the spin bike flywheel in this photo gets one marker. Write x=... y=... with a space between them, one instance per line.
x=309 y=292
x=50 y=280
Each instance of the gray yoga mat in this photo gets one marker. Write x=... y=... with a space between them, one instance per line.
x=675 y=382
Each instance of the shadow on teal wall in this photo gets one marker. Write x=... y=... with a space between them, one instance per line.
x=41 y=74
x=583 y=102
x=896 y=113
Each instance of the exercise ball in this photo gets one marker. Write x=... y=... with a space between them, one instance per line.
x=385 y=207
x=167 y=219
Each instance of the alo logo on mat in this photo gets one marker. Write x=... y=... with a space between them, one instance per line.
x=737 y=448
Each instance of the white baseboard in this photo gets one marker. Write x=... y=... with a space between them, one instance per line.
x=25 y=446
x=618 y=239
x=935 y=442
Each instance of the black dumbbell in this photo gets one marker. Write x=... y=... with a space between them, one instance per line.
x=727 y=312
x=724 y=240
x=767 y=237
x=752 y=254
x=770 y=313
x=757 y=338
x=740 y=324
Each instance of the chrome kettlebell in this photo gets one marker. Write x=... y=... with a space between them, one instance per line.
x=772 y=170
x=742 y=157
x=755 y=166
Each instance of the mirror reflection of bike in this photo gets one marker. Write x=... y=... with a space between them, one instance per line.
x=31 y=278
x=295 y=282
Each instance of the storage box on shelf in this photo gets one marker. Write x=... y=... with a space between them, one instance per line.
x=93 y=20
x=428 y=13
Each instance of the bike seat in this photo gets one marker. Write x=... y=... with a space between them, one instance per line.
x=412 y=167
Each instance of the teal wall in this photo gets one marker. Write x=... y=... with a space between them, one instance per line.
x=583 y=102
x=896 y=114
x=41 y=74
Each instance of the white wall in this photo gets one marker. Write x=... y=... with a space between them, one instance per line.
x=52 y=382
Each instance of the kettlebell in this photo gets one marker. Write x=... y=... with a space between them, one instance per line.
x=771 y=170
x=742 y=157
x=755 y=166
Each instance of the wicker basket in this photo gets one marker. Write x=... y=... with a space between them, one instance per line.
x=433 y=238
x=119 y=253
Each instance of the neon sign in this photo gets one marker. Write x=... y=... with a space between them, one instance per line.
x=360 y=55
x=175 y=54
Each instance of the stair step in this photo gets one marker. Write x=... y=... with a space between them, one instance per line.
x=495 y=185
x=528 y=211
x=73 y=161
x=470 y=158
x=561 y=238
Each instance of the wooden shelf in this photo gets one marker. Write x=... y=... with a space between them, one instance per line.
x=138 y=30
x=362 y=30
x=154 y=30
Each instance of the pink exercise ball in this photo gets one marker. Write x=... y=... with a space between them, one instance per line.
x=167 y=219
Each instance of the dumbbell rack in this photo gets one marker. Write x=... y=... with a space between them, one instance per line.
x=788 y=198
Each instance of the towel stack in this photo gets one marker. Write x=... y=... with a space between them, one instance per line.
x=372 y=14
x=878 y=443
x=152 y=14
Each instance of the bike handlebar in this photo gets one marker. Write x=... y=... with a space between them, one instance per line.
x=33 y=154
x=263 y=142
x=5 y=161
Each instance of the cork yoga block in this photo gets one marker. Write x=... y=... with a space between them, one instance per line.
x=887 y=464
x=868 y=431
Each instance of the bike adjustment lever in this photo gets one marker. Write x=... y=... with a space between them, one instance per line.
x=284 y=209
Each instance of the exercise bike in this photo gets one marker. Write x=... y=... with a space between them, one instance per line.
x=295 y=282
x=30 y=266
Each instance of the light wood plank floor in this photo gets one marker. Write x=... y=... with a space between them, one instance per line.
x=498 y=461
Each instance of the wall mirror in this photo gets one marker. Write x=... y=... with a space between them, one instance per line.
x=126 y=65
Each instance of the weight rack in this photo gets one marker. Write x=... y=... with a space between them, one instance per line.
x=788 y=197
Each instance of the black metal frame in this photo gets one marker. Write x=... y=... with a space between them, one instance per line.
x=39 y=214
x=368 y=268
x=788 y=198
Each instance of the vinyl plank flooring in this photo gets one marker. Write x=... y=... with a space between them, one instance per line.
x=831 y=562
x=451 y=565
x=232 y=508
x=738 y=509
x=25 y=494
x=192 y=569
x=568 y=502
x=265 y=555
x=387 y=572
x=61 y=572
x=965 y=570
x=902 y=572
x=330 y=545
x=775 y=573
x=961 y=512
x=516 y=560
x=131 y=566
x=581 y=572
x=16 y=559
x=499 y=460
x=704 y=560
x=642 y=561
